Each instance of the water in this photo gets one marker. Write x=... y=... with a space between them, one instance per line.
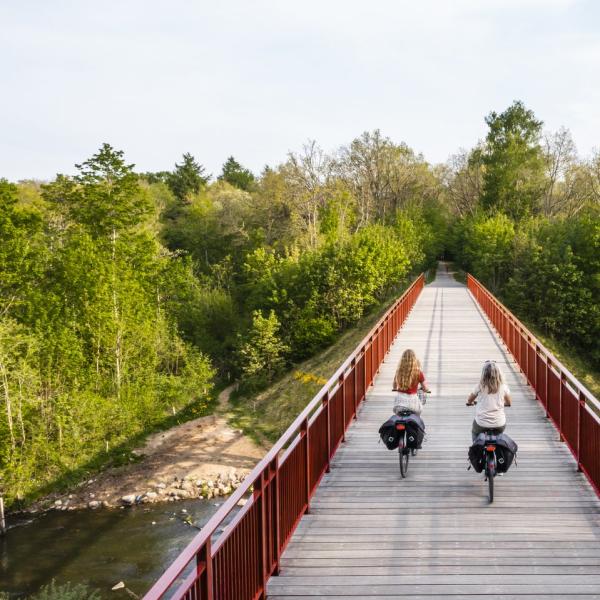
x=100 y=547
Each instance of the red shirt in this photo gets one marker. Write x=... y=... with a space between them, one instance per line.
x=413 y=390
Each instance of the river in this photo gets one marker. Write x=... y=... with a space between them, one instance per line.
x=100 y=548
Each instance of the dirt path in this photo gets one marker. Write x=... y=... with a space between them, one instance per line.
x=176 y=463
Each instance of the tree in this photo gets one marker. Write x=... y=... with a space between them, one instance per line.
x=488 y=248
x=384 y=177
x=104 y=197
x=237 y=175
x=513 y=181
x=187 y=178
x=463 y=179
x=262 y=353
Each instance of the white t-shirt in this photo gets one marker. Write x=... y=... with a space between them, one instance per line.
x=490 y=407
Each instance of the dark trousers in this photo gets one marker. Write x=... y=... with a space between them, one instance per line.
x=477 y=429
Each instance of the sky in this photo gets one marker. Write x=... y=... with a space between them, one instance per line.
x=258 y=79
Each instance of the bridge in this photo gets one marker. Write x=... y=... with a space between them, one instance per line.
x=328 y=515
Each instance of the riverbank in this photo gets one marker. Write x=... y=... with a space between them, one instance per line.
x=202 y=458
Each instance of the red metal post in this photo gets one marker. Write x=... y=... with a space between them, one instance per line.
x=547 y=362
x=277 y=516
x=305 y=436
x=353 y=363
x=263 y=541
x=342 y=383
x=560 y=405
x=328 y=428
x=580 y=411
x=204 y=571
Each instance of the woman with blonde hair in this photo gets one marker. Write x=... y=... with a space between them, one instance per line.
x=491 y=395
x=406 y=383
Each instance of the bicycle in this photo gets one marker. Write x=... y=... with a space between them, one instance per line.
x=489 y=457
x=404 y=452
x=490 y=468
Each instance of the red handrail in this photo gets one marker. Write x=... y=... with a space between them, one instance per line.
x=232 y=560
x=570 y=405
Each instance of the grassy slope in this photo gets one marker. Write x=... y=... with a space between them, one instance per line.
x=579 y=365
x=266 y=415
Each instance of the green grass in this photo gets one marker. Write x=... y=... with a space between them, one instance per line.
x=266 y=415
x=580 y=366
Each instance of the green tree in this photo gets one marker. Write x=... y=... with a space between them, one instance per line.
x=237 y=175
x=104 y=197
x=261 y=355
x=488 y=249
x=513 y=158
x=187 y=178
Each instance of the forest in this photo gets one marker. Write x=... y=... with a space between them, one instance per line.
x=127 y=297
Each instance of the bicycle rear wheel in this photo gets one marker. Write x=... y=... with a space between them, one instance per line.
x=403 y=455
x=490 y=473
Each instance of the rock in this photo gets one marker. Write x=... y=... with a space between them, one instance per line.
x=105 y=504
x=152 y=496
x=199 y=483
x=210 y=483
x=92 y=495
x=161 y=486
x=242 y=501
x=58 y=503
x=128 y=500
x=94 y=504
x=188 y=486
x=153 y=522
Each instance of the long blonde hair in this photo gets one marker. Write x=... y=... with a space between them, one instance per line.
x=408 y=371
x=491 y=377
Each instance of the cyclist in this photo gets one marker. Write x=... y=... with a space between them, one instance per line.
x=491 y=395
x=406 y=383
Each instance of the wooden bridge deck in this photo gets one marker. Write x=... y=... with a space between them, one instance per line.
x=371 y=535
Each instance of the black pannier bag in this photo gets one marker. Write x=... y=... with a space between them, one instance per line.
x=476 y=454
x=506 y=449
x=388 y=433
x=415 y=431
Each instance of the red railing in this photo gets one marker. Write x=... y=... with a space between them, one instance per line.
x=236 y=552
x=572 y=408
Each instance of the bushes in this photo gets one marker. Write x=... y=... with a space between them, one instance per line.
x=319 y=293
x=546 y=270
